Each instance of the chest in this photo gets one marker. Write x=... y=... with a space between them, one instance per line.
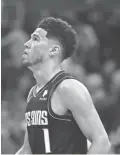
x=39 y=107
x=36 y=110
x=38 y=102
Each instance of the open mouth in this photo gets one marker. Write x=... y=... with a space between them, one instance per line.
x=24 y=56
x=25 y=52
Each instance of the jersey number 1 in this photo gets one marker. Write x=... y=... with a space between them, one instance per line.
x=46 y=140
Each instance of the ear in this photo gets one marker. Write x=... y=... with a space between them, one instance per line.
x=54 y=50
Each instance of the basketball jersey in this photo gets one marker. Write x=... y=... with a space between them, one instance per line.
x=47 y=131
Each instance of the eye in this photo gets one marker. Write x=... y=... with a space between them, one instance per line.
x=35 y=39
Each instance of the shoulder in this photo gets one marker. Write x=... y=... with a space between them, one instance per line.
x=31 y=90
x=30 y=94
x=72 y=85
x=73 y=92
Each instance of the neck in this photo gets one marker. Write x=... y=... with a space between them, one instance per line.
x=44 y=73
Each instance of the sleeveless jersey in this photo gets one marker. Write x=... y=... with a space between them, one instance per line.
x=47 y=131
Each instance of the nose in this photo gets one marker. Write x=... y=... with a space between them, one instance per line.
x=27 y=44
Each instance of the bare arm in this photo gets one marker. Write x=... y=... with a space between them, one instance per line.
x=78 y=100
x=25 y=149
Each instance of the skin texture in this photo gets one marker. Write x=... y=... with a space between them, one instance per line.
x=78 y=100
x=25 y=149
x=43 y=57
x=38 y=55
x=36 y=48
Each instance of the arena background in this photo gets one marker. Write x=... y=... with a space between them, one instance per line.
x=96 y=62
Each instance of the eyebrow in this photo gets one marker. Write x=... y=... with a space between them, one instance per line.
x=34 y=34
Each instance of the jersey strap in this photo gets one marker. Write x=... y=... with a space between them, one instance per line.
x=67 y=116
x=30 y=95
x=32 y=90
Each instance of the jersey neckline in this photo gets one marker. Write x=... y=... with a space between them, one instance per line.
x=43 y=88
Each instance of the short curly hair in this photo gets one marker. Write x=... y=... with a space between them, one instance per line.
x=63 y=32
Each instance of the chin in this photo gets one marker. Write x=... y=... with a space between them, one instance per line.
x=26 y=64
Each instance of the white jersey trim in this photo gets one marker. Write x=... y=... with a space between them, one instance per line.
x=44 y=87
x=30 y=95
x=49 y=102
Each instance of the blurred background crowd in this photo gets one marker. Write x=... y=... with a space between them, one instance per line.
x=96 y=63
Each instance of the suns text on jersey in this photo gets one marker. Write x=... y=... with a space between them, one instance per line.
x=36 y=117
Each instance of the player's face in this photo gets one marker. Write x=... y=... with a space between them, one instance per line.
x=36 y=48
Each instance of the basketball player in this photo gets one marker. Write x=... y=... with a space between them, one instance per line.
x=60 y=115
